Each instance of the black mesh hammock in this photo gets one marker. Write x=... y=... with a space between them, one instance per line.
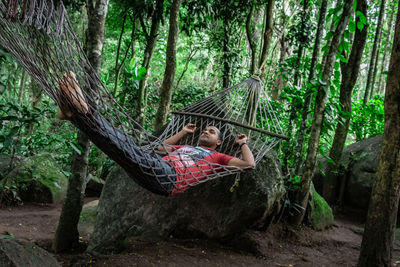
x=39 y=36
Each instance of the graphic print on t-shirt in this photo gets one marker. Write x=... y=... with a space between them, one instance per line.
x=189 y=155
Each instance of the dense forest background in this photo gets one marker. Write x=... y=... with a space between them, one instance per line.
x=323 y=63
x=219 y=44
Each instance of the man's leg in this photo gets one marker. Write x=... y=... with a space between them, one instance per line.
x=151 y=172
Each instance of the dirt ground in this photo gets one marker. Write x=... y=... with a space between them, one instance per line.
x=280 y=245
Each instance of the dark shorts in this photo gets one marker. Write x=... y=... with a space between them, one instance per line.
x=150 y=171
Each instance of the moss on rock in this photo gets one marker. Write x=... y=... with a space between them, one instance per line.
x=320 y=213
x=40 y=179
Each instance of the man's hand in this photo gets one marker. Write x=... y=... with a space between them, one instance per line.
x=189 y=128
x=241 y=139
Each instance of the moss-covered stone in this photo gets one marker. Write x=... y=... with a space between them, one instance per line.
x=320 y=213
x=40 y=179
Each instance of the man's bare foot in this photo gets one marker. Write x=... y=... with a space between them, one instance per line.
x=70 y=95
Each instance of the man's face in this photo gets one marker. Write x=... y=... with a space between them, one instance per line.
x=210 y=137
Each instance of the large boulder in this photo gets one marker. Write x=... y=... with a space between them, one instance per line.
x=359 y=163
x=7 y=163
x=39 y=179
x=93 y=186
x=21 y=253
x=209 y=210
x=320 y=215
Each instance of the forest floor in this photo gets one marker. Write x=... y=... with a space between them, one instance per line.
x=286 y=246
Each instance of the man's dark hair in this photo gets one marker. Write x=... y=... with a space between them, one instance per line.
x=220 y=135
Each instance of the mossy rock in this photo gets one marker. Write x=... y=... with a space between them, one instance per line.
x=320 y=213
x=39 y=179
x=7 y=163
x=87 y=218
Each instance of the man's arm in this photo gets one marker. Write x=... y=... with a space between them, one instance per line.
x=248 y=158
x=189 y=128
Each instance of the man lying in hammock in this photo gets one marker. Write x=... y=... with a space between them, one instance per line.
x=183 y=165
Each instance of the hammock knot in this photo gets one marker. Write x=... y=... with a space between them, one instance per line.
x=256 y=77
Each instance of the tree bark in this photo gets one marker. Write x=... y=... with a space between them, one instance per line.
x=170 y=67
x=22 y=86
x=117 y=66
x=294 y=105
x=148 y=56
x=267 y=37
x=377 y=243
x=374 y=53
x=303 y=192
x=226 y=72
x=386 y=47
x=67 y=235
x=307 y=101
x=349 y=72
x=251 y=32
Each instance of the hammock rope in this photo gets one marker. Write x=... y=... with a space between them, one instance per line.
x=39 y=35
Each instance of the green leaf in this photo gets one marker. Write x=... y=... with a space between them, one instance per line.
x=325 y=48
x=355 y=5
x=328 y=35
x=352 y=27
x=7 y=236
x=360 y=26
x=362 y=17
x=337 y=65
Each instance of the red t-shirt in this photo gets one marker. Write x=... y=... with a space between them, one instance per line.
x=193 y=164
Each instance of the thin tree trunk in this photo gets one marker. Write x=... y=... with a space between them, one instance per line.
x=251 y=33
x=301 y=44
x=350 y=72
x=226 y=62
x=376 y=62
x=117 y=66
x=170 y=67
x=304 y=190
x=294 y=106
x=191 y=54
x=37 y=97
x=279 y=82
x=383 y=65
x=307 y=101
x=372 y=62
x=266 y=38
x=377 y=243
x=22 y=86
x=67 y=235
x=148 y=55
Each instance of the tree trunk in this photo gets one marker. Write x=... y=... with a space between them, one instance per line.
x=148 y=55
x=170 y=67
x=303 y=192
x=349 y=72
x=307 y=101
x=301 y=44
x=377 y=243
x=226 y=62
x=386 y=47
x=252 y=21
x=279 y=82
x=374 y=53
x=117 y=66
x=67 y=235
x=22 y=86
x=37 y=97
x=295 y=106
x=267 y=37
